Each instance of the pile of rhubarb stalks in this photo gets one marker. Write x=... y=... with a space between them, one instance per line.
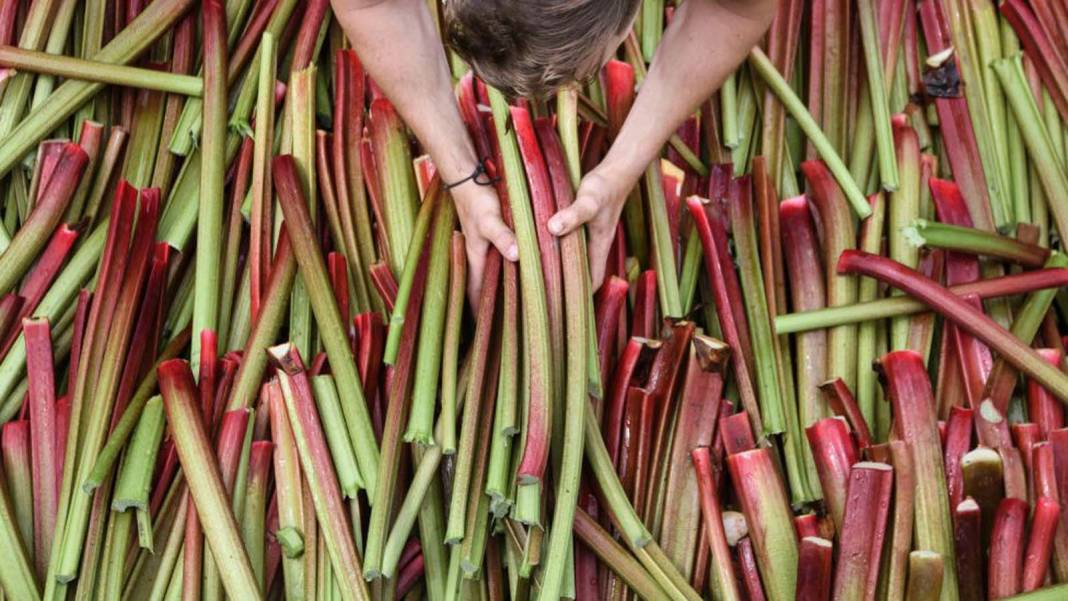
x=238 y=357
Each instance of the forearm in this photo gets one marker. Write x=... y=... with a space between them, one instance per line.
x=415 y=78
x=681 y=78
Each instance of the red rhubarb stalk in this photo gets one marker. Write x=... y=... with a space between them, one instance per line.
x=43 y=437
x=835 y=454
x=1042 y=408
x=1005 y=570
x=963 y=314
x=863 y=530
x=814 y=569
x=842 y=402
x=1040 y=544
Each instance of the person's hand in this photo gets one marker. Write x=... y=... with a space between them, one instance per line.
x=598 y=203
x=479 y=211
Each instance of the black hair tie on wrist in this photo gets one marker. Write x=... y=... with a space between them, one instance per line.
x=480 y=176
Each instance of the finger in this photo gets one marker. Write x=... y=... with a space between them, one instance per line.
x=600 y=244
x=581 y=211
x=494 y=230
x=476 y=263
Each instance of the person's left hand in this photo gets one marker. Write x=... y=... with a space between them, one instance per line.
x=598 y=203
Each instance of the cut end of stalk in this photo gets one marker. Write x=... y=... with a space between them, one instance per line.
x=291 y=541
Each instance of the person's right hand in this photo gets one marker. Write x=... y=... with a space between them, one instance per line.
x=598 y=203
x=479 y=211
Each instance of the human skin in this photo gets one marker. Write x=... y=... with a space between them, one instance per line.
x=399 y=45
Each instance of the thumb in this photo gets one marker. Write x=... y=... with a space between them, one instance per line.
x=582 y=210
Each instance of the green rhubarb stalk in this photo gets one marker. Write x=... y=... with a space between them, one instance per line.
x=667 y=282
x=205 y=482
x=300 y=117
x=253 y=520
x=431 y=328
x=796 y=107
x=904 y=207
x=289 y=496
x=976 y=242
x=728 y=102
x=100 y=72
x=873 y=61
x=411 y=267
x=135 y=478
x=451 y=356
x=16 y=573
x=337 y=437
x=331 y=327
x=33 y=36
x=269 y=322
x=260 y=233
x=212 y=176
x=400 y=197
x=1036 y=137
x=871 y=238
x=58 y=37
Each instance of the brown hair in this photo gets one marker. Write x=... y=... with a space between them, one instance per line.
x=531 y=47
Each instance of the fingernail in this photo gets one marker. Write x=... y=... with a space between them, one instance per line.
x=555 y=226
x=513 y=253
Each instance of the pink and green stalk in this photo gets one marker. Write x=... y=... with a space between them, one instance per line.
x=957 y=442
x=35 y=232
x=331 y=326
x=348 y=169
x=253 y=520
x=288 y=528
x=903 y=209
x=966 y=317
x=763 y=498
x=807 y=287
x=41 y=276
x=909 y=391
x=16 y=575
x=204 y=480
x=535 y=305
x=18 y=468
x=393 y=161
x=839 y=235
x=208 y=287
x=723 y=579
x=112 y=315
x=319 y=471
x=896 y=559
x=699 y=407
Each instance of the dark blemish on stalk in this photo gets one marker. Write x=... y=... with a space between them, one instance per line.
x=942 y=81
